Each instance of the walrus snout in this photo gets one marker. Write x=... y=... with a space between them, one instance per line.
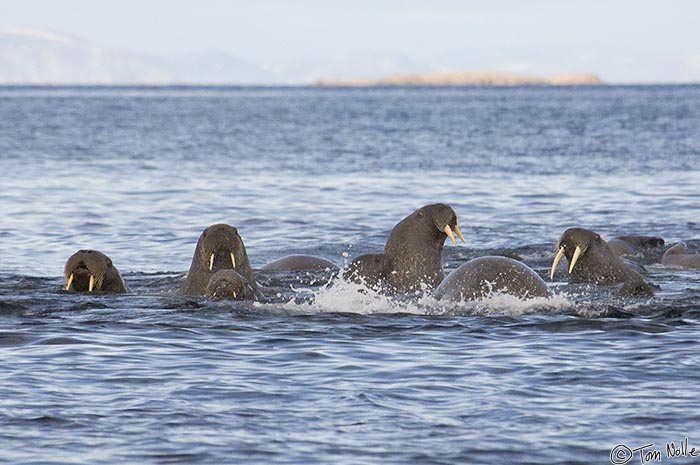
x=221 y=259
x=572 y=244
x=81 y=280
x=444 y=218
x=92 y=271
x=219 y=244
x=227 y=284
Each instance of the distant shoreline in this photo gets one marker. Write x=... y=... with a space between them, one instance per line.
x=467 y=78
x=9 y=86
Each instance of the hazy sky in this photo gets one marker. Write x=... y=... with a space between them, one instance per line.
x=638 y=41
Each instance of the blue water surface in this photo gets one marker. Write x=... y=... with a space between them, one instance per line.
x=323 y=371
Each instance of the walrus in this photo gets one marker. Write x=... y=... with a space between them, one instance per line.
x=483 y=276
x=92 y=271
x=591 y=260
x=219 y=248
x=415 y=248
x=632 y=245
x=678 y=256
x=228 y=284
x=371 y=269
x=300 y=263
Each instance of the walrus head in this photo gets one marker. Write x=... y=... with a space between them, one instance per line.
x=573 y=244
x=415 y=247
x=643 y=242
x=85 y=271
x=220 y=248
x=436 y=221
x=227 y=284
x=370 y=269
x=443 y=218
x=590 y=259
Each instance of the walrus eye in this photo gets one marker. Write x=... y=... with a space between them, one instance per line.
x=597 y=238
x=421 y=214
x=109 y=263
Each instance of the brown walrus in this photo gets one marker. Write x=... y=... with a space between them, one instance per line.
x=591 y=260
x=92 y=271
x=415 y=248
x=678 y=256
x=371 y=269
x=633 y=245
x=483 y=276
x=300 y=263
x=228 y=284
x=219 y=248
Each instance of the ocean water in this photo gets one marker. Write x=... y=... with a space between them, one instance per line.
x=324 y=371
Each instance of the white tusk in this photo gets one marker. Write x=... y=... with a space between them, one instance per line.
x=449 y=233
x=233 y=260
x=574 y=259
x=556 y=262
x=211 y=262
x=459 y=233
x=234 y=294
x=70 y=282
x=91 y=286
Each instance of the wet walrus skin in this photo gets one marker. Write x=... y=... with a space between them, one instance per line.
x=228 y=284
x=219 y=248
x=484 y=276
x=591 y=260
x=300 y=263
x=371 y=269
x=92 y=271
x=415 y=248
x=632 y=245
x=678 y=256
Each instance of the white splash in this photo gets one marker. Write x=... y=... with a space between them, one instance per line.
x=342 y=296
x=503 y=304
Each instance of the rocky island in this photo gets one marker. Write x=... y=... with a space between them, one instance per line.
x=466 y=78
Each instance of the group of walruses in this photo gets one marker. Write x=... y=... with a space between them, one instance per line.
x=411 y=263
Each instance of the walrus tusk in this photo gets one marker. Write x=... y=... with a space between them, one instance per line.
x=234 y=294
x=70 y=282
x=556 y=262
x=449 y=233
x=233 y=260
x=574 y=259
x=91 y=285
x=459 y=233
x=211 y=262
